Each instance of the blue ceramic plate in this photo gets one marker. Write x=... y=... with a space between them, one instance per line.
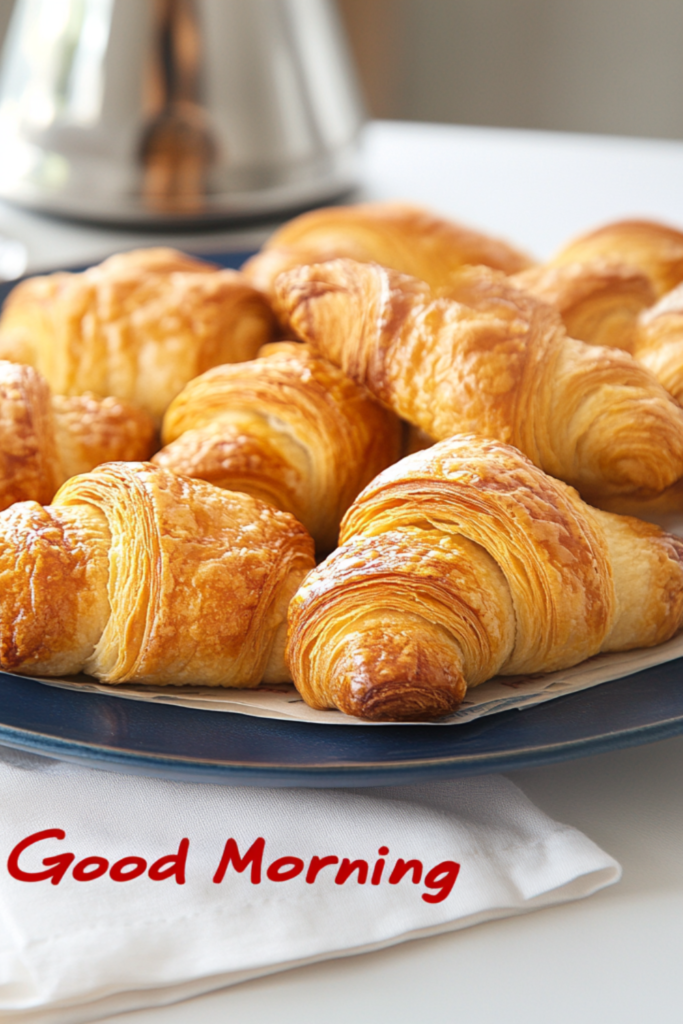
x=210 y=746
x=204 y=746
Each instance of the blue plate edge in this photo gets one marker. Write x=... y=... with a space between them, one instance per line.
x=307 y=776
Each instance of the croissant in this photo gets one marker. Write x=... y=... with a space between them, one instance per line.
x=138 y=326
x=599 y=301
x=289 y=428
x=659 y=342
x=490 y=359
x=45 y=439
x=655 y=249
x=610 y=304
x=134 y=574
x=396 y=235
x=466 y=561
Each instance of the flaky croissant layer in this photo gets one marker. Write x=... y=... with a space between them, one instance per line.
x=599 y=301
x=398 y=235
x=45 y=439
x=289 y=428
x=654 y=249
x=605 y=285
x=659 y=341
x=466 y=561
x=485 y=356
x=138 y=326
x=134 y=574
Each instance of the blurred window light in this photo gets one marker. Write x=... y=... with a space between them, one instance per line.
x=85 y=89
x=55 y=73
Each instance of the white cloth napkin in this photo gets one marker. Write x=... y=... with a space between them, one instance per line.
x=90 y=945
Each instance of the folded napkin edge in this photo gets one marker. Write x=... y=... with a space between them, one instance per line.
x=141 y=998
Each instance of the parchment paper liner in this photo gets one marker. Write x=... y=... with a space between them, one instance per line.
x=500 y=694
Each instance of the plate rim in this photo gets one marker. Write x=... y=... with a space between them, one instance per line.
x=186 y=768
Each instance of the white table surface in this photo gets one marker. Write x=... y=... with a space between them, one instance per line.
x=616 y=956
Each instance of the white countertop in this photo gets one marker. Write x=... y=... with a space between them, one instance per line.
x=616 y=956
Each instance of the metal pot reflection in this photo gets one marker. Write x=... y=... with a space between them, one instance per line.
x=172 y=111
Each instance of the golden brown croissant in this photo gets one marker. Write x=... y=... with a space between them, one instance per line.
x=289 y=428
x=655 y=249
x=463 y=562
x=396 y=235
x=134 y=574
x=45 y=439
x=489 y=358
x=611 y=304
x=138 y=326
x=659 y=342
x=599 y=301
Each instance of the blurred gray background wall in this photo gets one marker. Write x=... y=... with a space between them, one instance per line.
x=579 y=65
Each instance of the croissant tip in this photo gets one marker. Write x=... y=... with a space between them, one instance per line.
x=387 y=676
x=400 y=701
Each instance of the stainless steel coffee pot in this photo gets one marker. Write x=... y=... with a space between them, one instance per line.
x=172 y=111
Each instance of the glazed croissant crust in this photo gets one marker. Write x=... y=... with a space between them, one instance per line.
x=396 y=235
x=599 y=301
x=289 y=428
x=134 y=574
x=607 y=303
x=654 y=249
x=658 y=343
x=489 y=358
x=45 y=439
x=466 y=561
x=138 y=326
